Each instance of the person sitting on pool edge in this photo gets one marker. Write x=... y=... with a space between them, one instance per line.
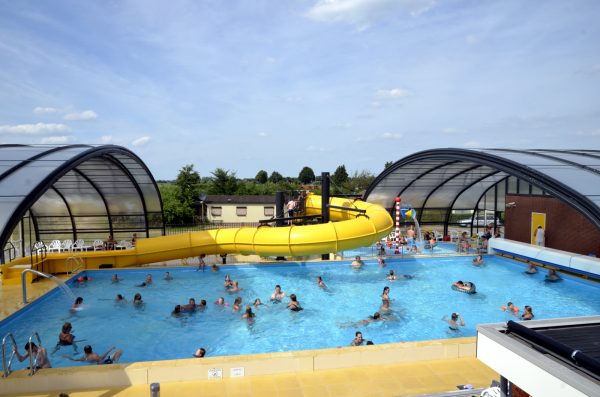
x=93 y=358
x=294 y=305
x=454 y=321
x=357 y=263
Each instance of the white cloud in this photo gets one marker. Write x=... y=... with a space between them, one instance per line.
x=39 y=110
x=86 y=115
x=57 y=140
x=141 y=141
x=270 y=60
x=364 y=12
x=472 y=144
x=33 y=129
x=104 y=139
x=313 y=148
x=343 y=126
x=389 y=135
x=263 y=134
x=393 y=93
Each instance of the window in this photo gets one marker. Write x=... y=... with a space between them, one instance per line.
x=241 y=211
x=215 y=211
x=269 y=211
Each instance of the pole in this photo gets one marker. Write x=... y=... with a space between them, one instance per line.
x=325 y=203
x=279 y=208
x=397 y=225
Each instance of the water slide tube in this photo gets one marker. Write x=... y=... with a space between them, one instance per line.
x=350 y=230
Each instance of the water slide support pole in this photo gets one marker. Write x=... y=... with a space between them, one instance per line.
x=279 y=208
x=397 y=225
x=325 y=203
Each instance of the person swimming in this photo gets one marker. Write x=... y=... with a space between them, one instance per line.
x=527 y=313
x=320 y=282
x=168 y=276
x=454 y=321
x=478 y=260
x=531 y=269
x=137 y=299
x=248 y=314
x=552 y=275
x=510 y=307
x=278 y=294
x=148 y=281
x=77 y=305
x=294 y=305
x=391 y=276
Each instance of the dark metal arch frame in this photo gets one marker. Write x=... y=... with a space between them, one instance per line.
x=573 y=198
x=446 y=181
x=68 y=165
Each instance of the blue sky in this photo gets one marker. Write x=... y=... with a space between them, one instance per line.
x=277 y=85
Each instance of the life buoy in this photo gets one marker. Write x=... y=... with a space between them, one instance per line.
x=470 y=290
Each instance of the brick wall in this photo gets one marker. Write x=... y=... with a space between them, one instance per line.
x=566 y=229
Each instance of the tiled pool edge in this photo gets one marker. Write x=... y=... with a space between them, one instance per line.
x=122 y=375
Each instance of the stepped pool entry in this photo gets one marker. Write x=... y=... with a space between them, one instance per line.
x=330 y=317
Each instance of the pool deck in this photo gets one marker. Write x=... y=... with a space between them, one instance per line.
x=400 y=369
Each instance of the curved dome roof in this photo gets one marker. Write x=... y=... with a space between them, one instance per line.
x=450 y=179
x=76 y=189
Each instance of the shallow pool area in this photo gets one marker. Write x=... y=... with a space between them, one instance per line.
x=329 y=319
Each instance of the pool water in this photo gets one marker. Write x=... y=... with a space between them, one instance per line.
x=329 y=319
x=441 y=248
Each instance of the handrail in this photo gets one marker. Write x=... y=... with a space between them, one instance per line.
x=32 y=361
x=24 y=281
x=5 y=366
x=12 y=251
x=77 y=264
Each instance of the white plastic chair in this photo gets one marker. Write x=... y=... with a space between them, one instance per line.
x=438 y=236
x=123 y=244
x=80 y=246
x=39 y=245
x=55 y=246
x=98 y=245
x=454 y=235
x=67 y=245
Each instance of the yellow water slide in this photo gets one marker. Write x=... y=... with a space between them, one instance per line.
x=348 y=230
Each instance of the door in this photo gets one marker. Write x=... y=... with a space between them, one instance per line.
x=537 y=219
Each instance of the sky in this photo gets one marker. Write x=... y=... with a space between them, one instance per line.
x=279 y=85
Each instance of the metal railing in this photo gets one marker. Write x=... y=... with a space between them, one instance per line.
x=6 y=365
x=12 y=251
x=76 y=264
x=179 y=229
x=33 y=361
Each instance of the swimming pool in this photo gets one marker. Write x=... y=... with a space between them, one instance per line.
x=329 y=319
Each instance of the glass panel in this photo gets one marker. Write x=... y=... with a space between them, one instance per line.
x=512 y=185
x=215 y=211
x=433 y=215
x=536 y=190
x=523 y=187
x=269 y=211
x=50 y=204
x=241 y=211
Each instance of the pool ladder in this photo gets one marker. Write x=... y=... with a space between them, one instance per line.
x=6 y=366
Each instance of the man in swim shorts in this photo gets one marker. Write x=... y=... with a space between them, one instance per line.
x=93 y=358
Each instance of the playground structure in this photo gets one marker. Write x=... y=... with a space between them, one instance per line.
x=357 y=224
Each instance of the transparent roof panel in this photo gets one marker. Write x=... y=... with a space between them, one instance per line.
x=110 y=176
x=582 y=181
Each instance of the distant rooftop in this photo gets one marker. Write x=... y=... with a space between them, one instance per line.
x=227 y=199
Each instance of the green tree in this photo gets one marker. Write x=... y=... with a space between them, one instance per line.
x=340 y=176
x=307 y=175
x=224 y=182
x=360 y=181
x=275 y=177
x=261 y=177
x=388 y=164
x=174 y=210
x=187 y=187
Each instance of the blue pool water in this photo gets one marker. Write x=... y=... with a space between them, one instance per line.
x=329 y=319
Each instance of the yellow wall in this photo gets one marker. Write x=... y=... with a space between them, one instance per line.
x=254 y=213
